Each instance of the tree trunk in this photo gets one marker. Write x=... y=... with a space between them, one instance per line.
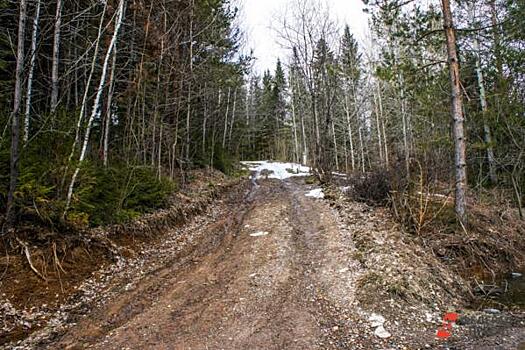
x=226 y=120
x=213 y=128
x=83 y=106
x=205 y=120
x=233 y=118
x=188 y=112
x=109 y=110
x=405 y=131
x=15 y=116
x=346 y=155
x=156 y=108
x=362 y=149
x=27 y=118
x=56 y=57
x=457 y=115
x=335 y=147
x=380 y=100
x=378 y=126
x=305 y=146
x=487 y=136
x=159 y=165
x=350 y=137
x=294 y=126
x=96 y=104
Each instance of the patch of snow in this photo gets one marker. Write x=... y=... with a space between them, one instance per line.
x=259 y=234
x=315 y=193
x=276 y=170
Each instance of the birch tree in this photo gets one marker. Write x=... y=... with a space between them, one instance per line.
x=31 y=72
x=95 y=111
x=15 y=115
x=487 y=134
x=56 y=57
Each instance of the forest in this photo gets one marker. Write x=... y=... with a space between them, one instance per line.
x=106 y=105
x=110 y=107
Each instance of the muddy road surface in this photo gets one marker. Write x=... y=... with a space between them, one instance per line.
x=268 y=266
x=263 y=276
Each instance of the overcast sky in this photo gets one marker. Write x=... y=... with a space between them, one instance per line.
x=256 y=19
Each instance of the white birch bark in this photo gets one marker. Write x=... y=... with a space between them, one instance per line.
x=226 y=120
x=56 y=57
x=29 y=94
x=405 y=129
x=305 y=146
x=15 y=116
x=188 y=112
x=205 y=120
x=159 y=164
x=346 y=154
x=349 y=128
x=294 y=125
x=362 y=149
x=487 y=135
x=109 y=111
x=233 y=117
x=212 y=145
x=96 y=103
x=83 y=106
x=380 y=100
x=378 y=127
x=335 y=147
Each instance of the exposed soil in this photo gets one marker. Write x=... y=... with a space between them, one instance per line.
x=266 y=267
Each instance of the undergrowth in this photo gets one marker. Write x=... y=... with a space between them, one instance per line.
x=118 y=194
x=490 y=244
x=102 y=196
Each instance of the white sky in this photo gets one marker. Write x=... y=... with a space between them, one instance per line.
x=256 y=20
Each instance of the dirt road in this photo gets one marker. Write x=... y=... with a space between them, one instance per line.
x=267 y=267
x=263 y=276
